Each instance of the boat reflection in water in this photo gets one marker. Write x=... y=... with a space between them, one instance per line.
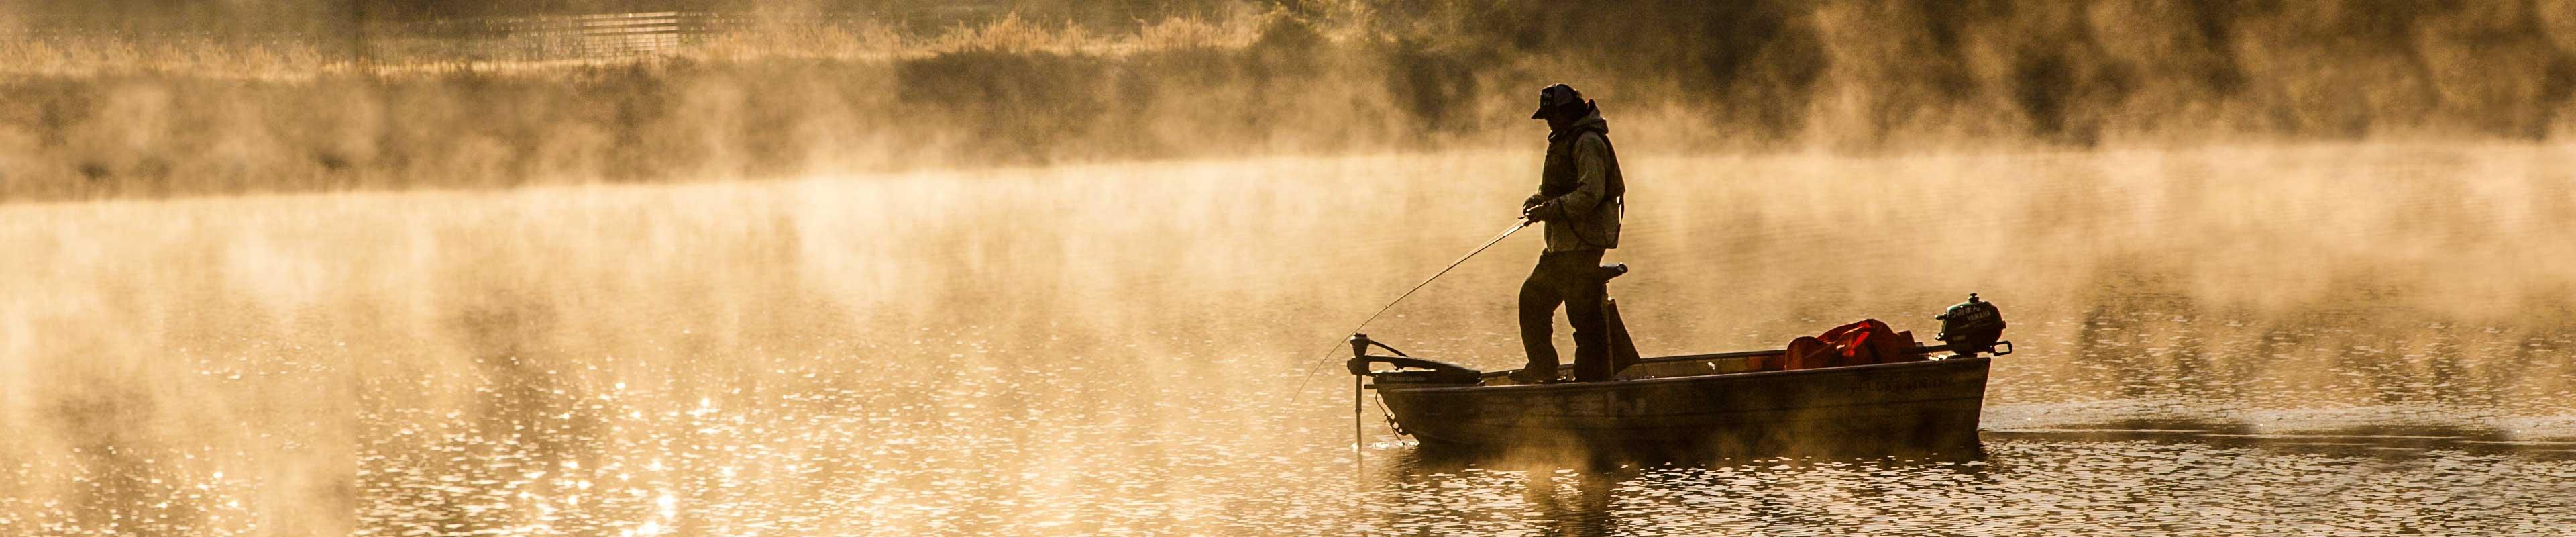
x=1561 y=497
x=1442 y=490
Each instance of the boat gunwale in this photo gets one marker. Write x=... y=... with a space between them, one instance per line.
x=1611 y=384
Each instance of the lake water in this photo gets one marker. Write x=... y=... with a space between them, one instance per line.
x=2308 y=339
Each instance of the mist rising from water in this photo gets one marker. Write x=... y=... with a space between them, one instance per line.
x=1077 y=259
x=313 y=363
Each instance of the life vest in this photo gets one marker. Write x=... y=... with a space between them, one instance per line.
x=1862 y=343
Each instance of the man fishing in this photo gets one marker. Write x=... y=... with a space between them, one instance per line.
x=1579 y=198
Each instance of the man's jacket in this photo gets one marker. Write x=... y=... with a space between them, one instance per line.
x=1581 y=188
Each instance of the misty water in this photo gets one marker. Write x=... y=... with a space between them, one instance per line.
x=2302 y=339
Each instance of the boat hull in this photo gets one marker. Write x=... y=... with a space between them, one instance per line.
x=1900 y=408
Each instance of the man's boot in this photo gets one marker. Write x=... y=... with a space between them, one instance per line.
x=1532 y=376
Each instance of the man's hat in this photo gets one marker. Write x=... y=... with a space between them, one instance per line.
x=1555 y=96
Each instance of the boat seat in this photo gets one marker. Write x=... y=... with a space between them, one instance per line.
x=1612 y=270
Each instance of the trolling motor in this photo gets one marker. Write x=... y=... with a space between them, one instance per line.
x=1409 y=370
x=1972 y=327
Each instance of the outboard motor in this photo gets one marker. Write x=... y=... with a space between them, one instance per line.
x=1973 y=327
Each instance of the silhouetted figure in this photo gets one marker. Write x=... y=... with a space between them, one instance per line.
x=1579 y=198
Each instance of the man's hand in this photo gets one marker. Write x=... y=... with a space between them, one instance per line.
x=1530 y=213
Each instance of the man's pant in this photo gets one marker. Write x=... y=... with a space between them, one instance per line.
x=1573 y=279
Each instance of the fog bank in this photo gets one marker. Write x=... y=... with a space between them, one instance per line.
x=329 y=97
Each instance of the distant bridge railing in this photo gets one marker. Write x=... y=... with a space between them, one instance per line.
x=543 y=37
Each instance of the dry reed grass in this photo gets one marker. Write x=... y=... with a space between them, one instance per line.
x=115 y=120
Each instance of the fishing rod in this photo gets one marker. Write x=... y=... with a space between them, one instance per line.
x=1319 y=359
x=1358 y=410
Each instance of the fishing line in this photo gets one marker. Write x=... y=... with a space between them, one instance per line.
x=1328 y=352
